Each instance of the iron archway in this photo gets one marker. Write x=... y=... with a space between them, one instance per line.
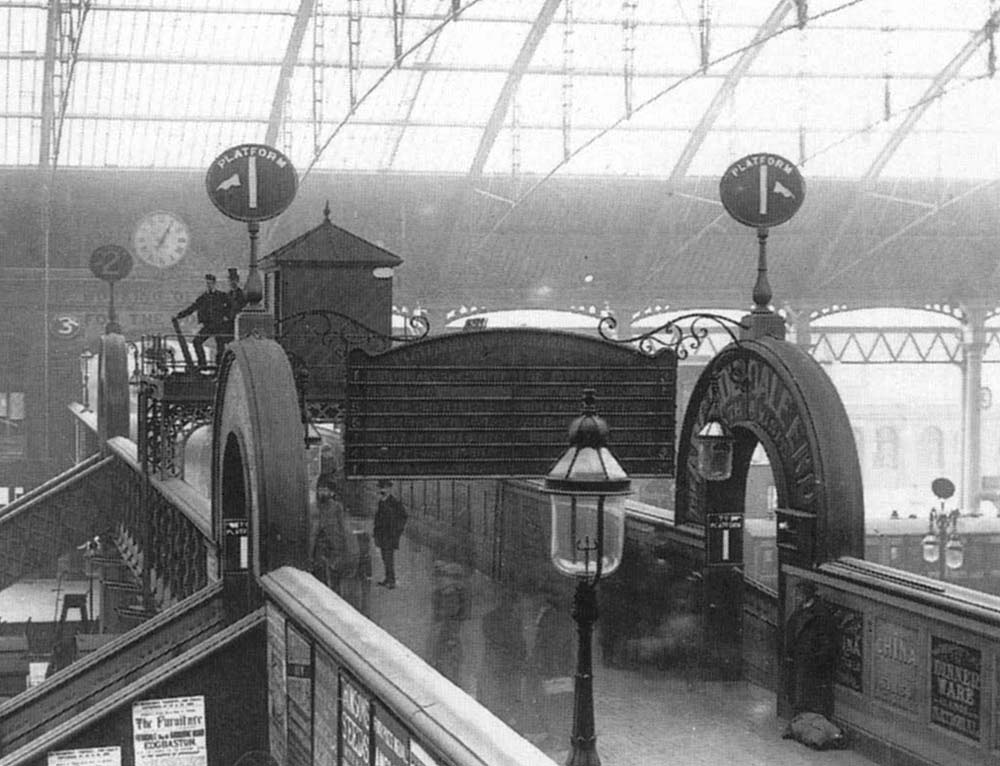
x=777 y=392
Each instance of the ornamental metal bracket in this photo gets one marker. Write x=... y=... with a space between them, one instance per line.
x=340 y=333
x=680 y=338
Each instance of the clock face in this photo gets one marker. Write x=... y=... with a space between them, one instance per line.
x=161 y=239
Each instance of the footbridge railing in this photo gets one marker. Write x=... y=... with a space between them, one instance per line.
x=160 y=526
x=375 y=701
x=169 y=520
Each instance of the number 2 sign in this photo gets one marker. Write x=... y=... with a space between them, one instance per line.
x=110 y=263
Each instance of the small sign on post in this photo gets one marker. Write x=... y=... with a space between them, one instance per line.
x=252 y=183
x=111 y=263
x=762 y=190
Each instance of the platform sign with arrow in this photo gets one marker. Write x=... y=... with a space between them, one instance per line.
x=251 y=182
x=762 y=190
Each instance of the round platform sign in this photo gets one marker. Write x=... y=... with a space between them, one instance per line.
x=251 y=182
x=943 y=488
x=762 y=189
x=110 y=263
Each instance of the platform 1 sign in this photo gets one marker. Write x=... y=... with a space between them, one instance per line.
x=762 y=190
x=251 y=182
x=725 y=539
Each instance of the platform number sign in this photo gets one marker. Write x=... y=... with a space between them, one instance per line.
x=725 y=539
x=251 y=182
x=65 y=326
x=762 y=190
x=111 y=263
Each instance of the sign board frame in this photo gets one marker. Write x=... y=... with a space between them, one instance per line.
x=498 y=403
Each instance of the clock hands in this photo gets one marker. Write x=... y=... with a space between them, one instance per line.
x=163 y=236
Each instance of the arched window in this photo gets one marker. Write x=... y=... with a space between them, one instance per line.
x=886 y=448
x=932 y=448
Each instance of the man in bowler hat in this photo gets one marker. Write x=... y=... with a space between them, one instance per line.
x=212 y=308
x=390 y=519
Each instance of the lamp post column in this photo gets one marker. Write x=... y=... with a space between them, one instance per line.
x=973 y=345
x=942 y=538
x=583 y=742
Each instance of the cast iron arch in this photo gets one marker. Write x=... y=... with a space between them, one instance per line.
x=774 y=392
x=258 y=455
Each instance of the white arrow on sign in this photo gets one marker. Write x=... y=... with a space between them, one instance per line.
x=783 y=191
x=229 y=183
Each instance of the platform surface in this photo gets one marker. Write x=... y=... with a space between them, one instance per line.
x=644 y=717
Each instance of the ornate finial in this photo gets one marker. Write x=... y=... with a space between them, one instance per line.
x=326 y=211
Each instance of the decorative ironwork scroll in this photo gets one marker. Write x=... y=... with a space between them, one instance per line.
x=674 y=335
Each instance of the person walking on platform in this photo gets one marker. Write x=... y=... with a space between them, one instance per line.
x=211 y=309
x=335 y=551
x=237 y=300
x=500 y=685
x=552 y=663
x=390 y=520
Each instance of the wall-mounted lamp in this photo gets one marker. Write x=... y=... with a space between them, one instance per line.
x=714 y=446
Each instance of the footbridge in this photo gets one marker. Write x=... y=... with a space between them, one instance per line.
x=221 y=647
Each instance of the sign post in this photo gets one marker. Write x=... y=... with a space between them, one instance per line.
x=252 y=183
x=111 y=263
x=762 y=190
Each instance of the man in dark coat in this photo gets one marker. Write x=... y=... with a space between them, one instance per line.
x=212 y=308
x=237 y=300
x=390 y=519
x=811 y=649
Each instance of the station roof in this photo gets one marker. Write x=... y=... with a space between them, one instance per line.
x=891 y=103
x=500 y=86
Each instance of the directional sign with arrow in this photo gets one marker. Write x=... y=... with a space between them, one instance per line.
x=251 y=182
x=762 y=190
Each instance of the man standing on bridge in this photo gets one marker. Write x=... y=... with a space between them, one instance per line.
x=212 y=308
x=390 y=519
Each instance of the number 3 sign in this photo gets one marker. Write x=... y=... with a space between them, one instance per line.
x=64 y=326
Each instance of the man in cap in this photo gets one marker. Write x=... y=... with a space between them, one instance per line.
x=211 y=308
x=390 y=519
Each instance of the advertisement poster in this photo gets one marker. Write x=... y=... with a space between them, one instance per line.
x=419 y=756
x=170 y=732
x=956 y=687
x=90 y=756
x=895 y=665
x=392 y=742
x=355 y=724
x=851 y=661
